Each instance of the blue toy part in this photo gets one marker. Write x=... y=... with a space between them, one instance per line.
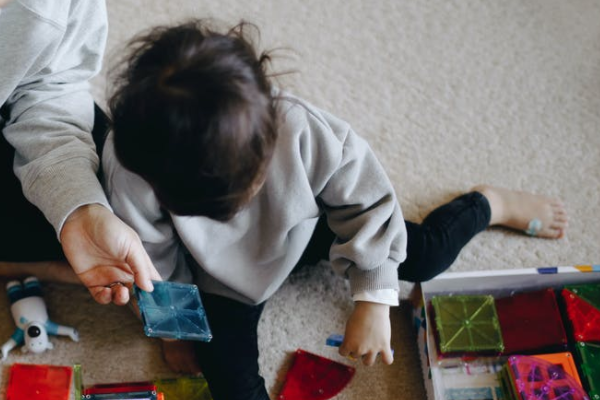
x=335 y=340
x=173 y=310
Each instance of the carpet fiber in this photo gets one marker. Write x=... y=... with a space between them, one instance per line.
x=449 y=95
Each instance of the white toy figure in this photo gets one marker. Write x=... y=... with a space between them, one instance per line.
x=31 y=318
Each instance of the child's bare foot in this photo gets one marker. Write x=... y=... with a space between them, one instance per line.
x=180 y=356
x=536 y=215
x=48 y=271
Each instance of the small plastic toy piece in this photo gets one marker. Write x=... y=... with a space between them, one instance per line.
x=467 y=324
x=173 y=310
x=533 y=378
x=39 y=382
x=334 y=340
x=187 y=388
x=121 y=391
x=31 y=318
x=583 y=316
x=312 y=377
x=531 y=323
x=589 y=354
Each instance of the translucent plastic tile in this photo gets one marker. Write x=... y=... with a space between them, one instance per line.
x=562 y=362
x=467 y=324
x=589 y=354
x=122 y=396
x=535 y=378
x=588 y=292
x=531 y=323
x=121 y=391
x=312 y=377
x=43 y=382
x=173 y=310
x=187 y=388
x=584 y=318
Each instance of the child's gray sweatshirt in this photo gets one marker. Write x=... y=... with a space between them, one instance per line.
x=48 y=51
x=319 y=166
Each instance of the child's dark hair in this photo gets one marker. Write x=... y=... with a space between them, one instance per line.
x=193 y=114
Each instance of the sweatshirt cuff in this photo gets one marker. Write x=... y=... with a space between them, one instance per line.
x=63 y=187
x=383 y=277
x=381 y=296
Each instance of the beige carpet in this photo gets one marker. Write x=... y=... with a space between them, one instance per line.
x=449 y=94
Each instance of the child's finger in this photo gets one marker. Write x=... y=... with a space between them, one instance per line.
x=369 y=358
x=343 y=351
x=387 y=356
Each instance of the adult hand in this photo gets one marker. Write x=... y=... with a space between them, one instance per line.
x=106 y=254
x=368 y=333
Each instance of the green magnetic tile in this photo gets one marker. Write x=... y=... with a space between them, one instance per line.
x=507 y=385
x=590 y=367
x=588 y=292
x=467 y=323
x=184 y=388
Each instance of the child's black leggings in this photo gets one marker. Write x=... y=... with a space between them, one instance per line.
x=230 y=360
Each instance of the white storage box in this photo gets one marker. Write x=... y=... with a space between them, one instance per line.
x=477 y=379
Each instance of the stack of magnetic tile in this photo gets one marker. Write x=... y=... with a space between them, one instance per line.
x=184 y=388
x=543 y=377
x=531 y=323
x=524 y=323
x=583 y=313
x=122 y=391
x=467 y=324
x=589 y=354
x=43 y=382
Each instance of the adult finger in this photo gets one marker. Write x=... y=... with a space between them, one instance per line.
x=120 y=295
x=142 y=267
x=101 y=294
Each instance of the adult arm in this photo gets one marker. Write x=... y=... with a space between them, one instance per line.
x=49 y=124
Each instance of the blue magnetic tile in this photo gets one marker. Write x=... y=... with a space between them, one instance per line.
x=173 y=310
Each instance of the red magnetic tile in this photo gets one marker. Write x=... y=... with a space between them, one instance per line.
x=124 y=387
x=584 y=318
x=531 y=322
x=589 y=292
x=312 y=377
x=43 y=382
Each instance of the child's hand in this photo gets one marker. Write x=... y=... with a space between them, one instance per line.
x=368 y=333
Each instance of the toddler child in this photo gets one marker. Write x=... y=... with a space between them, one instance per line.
x=231 y=183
